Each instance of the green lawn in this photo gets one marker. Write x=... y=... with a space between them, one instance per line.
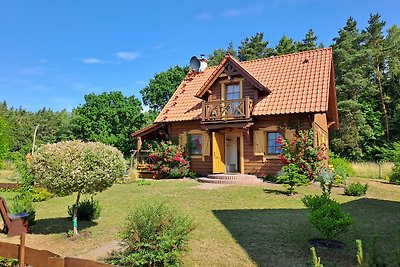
x=235 y=225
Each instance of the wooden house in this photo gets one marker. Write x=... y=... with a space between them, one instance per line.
x=233 y=113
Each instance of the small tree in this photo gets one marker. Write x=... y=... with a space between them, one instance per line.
x=74 y=166
x=291 y=176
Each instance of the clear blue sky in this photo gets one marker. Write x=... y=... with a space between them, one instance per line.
x=52 y=53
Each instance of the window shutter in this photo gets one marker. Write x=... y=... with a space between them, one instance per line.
x=289 y=134
x=183 y=139
x=206 y=144
x=259 y=140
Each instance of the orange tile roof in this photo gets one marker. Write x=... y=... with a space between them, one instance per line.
x=299 y=83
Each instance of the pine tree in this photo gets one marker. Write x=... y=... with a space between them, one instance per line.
x=285 y=46
x=375 y=43
x=218 y=54
x=254 y=48
x=309 y=41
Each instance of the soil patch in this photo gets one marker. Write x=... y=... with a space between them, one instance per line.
x=325 y=243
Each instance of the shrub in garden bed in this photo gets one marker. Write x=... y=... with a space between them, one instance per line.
x=88 y=210
x=23 y=202
x=154 y=236
x=327 y=216
x=356 y=189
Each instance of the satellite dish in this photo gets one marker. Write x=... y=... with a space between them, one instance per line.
x=195 y=63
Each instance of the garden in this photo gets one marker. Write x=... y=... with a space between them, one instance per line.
x=87 y=210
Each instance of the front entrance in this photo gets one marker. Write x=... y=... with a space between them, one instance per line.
x=232 y=146
x=227 y=152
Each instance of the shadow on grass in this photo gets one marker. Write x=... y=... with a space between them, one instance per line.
x=57 y=225
x=278 y=192
x=279 y=237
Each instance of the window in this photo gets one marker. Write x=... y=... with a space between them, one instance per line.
x=232 y=91
x=273 y=147
x=196 y=144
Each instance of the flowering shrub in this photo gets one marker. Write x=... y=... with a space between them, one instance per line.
x=170 y=160
x=301 y=152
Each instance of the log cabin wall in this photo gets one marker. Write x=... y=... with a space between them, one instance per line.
x=269 y=165
x=247 y=90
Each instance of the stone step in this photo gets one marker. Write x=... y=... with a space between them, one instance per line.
x=223 y=176
x=230 y=181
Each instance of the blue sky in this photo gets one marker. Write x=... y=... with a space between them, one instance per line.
x=52 y=53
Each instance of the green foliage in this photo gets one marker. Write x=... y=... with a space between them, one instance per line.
x=316 y=261
x=4 y=262
x=342 y=169
x=109 y=118
x=23 y=202
x=142 y=182
x=301 y=152
x=326 y=215
x=40 y=194
x=326 y=179
x=286 y=45
x=88 y=210
x=254 y=48
x=356 y=189
x=218 y=55
x=316 y=202
x=162 y=86
x=360 y=254
x=309 y=41
x=4 y=140
x=394 y=177
x=155 y=234
x=292 y=176
x=170 y=160
x=75 y=166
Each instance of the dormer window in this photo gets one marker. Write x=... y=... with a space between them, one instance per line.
x=233 y=91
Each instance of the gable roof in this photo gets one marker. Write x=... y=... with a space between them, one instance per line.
x=229 y=60
x=298 y=83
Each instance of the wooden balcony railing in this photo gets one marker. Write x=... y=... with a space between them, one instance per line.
x=223 y=110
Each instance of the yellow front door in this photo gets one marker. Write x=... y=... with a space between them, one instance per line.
x=218 y=153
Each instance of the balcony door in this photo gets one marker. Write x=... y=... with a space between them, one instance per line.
x=232 y=93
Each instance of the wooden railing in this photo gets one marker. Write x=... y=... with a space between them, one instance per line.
x=237 y=109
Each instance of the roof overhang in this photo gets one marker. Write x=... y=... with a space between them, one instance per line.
x=146 y=130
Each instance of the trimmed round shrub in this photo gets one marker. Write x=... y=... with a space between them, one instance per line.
x=356 y=189
x=154 y=235
x=75 y=166
x=88 y=210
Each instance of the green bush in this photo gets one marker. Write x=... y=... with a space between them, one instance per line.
x=23 y=202
x=88 y=210
x=315 y=202
x=40 y=194
x=342 y=165
x=292 y=176
x=154 y=236
x=356 y=189
x=326 y=215
x=394 y=177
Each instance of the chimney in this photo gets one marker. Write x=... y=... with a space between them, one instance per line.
x=203 y=62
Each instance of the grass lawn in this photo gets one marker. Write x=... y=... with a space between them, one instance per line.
x=235 y=225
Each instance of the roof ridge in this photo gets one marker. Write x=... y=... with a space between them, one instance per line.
x=285 y=55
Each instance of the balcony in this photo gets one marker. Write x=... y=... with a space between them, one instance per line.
x=226 y=111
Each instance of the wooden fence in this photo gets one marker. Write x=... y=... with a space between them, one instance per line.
x=44 y=258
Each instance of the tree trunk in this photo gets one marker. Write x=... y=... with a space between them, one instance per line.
x=75 y=217
x=378 y=76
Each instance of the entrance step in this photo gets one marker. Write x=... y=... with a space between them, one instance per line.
x=231 y=179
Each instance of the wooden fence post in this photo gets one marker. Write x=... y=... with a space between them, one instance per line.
x=21 y=254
